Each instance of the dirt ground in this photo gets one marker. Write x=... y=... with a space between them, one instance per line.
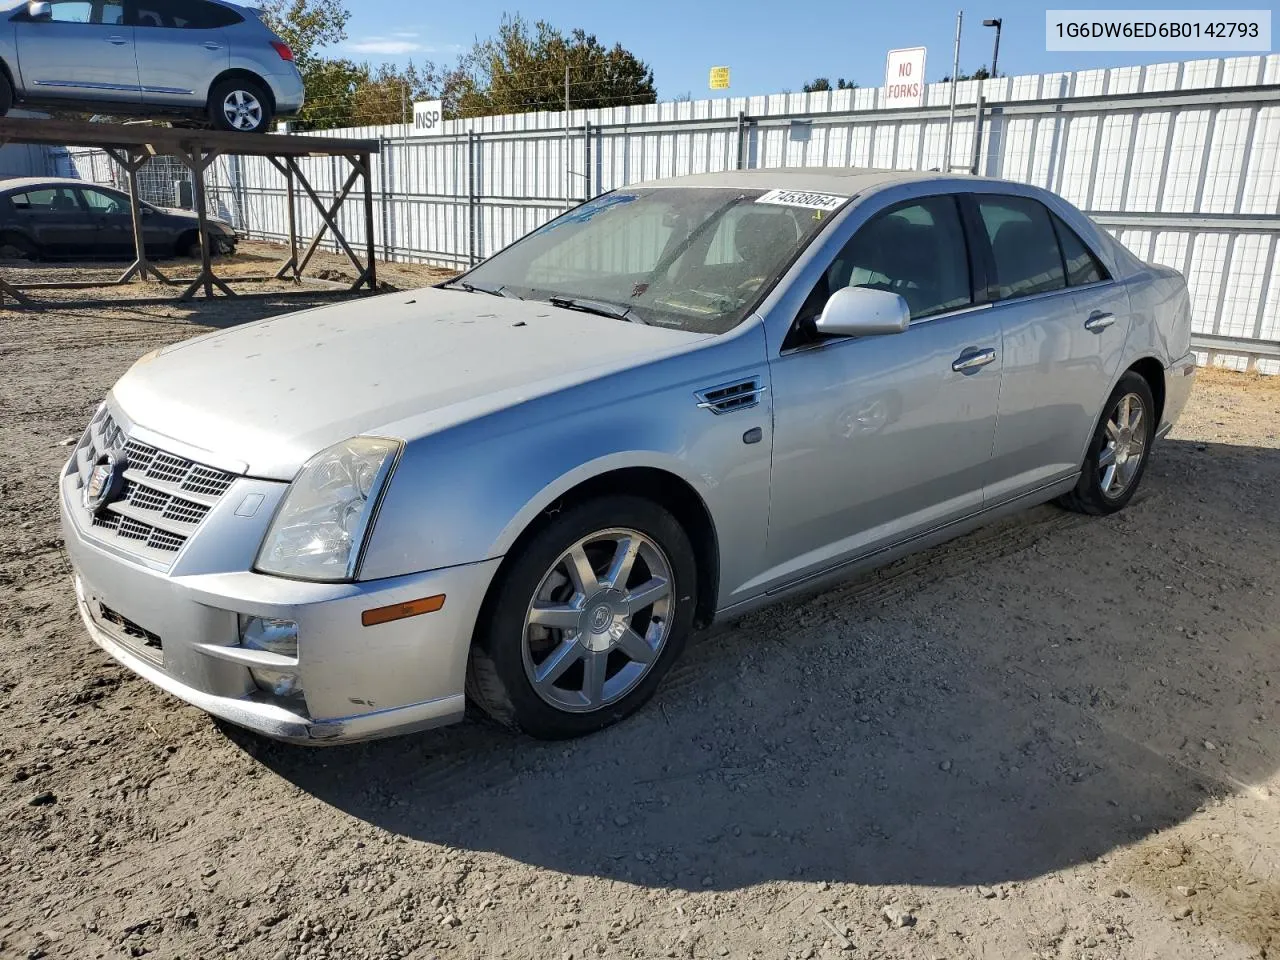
x=1057 y=737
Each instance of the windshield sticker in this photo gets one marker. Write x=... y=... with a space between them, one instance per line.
x=802 y=198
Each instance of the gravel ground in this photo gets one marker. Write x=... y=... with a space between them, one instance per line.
x=1056 y=737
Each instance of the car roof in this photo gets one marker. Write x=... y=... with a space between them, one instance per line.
x=841 y=181
x=28 y=183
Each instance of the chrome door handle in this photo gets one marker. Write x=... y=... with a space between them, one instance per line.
x=117 y=41
x=210 y=45
x=1099 y=321
x=973 y=360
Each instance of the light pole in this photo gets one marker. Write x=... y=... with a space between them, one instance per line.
x=977 y=120
x=995 y=53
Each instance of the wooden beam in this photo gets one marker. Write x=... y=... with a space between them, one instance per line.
x=175 y=141
x=327 y=216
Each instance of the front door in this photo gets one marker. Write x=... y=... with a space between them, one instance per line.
x=81 y=50
x=1064 y=323
x=115 y=221
x=878 y=439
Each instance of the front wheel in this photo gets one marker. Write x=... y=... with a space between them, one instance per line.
x=1118 y=452
x=585 y=621
x=241 y=106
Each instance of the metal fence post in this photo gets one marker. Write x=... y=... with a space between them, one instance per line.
x=586 y=160
x=471 y=196
x=384 y=195
x=742 y=137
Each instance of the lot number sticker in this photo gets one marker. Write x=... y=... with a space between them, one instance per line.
x=802 y=198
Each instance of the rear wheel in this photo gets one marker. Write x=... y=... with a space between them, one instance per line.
x=240 y=105
x=1118 y=453
x=6 y=94
x=15 y=246
x=586 y=620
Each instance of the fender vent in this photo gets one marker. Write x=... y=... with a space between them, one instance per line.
x=728 y=397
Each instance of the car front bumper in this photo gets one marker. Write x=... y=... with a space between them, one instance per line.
x=179 y=629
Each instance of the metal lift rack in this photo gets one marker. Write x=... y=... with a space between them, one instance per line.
x=132 y=145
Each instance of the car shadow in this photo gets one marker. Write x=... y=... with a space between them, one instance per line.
x=1023 y=699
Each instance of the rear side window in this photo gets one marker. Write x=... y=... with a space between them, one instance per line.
x=51 y=200
x=1023 y=245
x=183 y=14
x=1082 y=266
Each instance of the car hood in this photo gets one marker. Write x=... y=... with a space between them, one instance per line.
x=190 y=215
x=267 y=396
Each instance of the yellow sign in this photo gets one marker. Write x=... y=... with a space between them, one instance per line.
x=719 y=78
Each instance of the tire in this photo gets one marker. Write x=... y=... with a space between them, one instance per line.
x=510 y=651
x=16 y=246
x=6 y=94
x=1119 y=451
x=240 y=106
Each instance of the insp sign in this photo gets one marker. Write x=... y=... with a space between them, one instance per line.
x=428 y=118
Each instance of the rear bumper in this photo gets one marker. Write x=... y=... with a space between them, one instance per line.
x=179 y=629
x=288 y=92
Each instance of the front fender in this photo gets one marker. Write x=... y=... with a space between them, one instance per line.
x=466 y=494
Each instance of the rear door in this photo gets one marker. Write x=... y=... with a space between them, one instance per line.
x=182 y=46
x=83 y=50
x=54 y=218
x=1063 y=325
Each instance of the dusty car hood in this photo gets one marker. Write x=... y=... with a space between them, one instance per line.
x=273 y=393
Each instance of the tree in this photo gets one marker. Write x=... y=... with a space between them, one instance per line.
x=307 y=26
x=523 y=68
x=982 y=73
x=822 y=83
x=386 y=94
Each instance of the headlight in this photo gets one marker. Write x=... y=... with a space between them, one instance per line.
x=319 y=529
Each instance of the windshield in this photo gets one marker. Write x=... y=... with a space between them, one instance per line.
x=690 y=258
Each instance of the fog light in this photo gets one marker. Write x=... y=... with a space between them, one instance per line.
x=273 y=636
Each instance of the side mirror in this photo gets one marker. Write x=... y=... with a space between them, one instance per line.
x=863 y=312
x=39 y=10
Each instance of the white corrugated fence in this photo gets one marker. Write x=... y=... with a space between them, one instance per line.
x=1181 y=161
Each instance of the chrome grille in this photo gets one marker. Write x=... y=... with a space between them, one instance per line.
x=166 y=496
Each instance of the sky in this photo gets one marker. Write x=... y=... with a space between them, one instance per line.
x=769 y=46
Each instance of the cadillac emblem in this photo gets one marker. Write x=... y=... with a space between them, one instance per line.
x=106 y=480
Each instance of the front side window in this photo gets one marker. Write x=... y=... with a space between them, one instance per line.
x=691 y=258
x=102 y=202
x=1023 y=246
x=916 y=250
x=50 y=200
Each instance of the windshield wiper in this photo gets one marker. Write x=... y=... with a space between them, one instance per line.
x=598 y=307
x=477 y=288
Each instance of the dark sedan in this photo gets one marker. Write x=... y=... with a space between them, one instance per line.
x=57 y=217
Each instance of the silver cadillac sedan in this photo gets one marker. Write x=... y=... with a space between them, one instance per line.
x=676 y=402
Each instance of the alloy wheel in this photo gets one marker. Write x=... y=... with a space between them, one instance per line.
x=598 y=620
x=1124 y=447
x=243 y=111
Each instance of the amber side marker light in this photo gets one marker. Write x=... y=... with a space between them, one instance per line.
x=398 y=611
